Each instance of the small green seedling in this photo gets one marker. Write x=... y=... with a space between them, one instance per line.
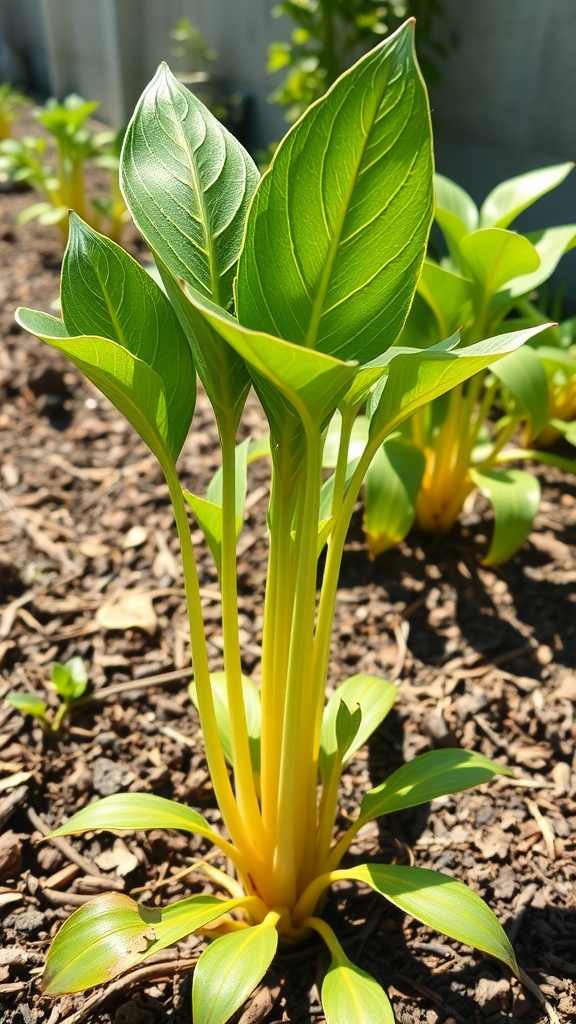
x=463 y=440
x=297 y=284
x=60 y=175
x=70 y=681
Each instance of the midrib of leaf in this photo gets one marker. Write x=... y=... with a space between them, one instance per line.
x=335 y=245
x=210 y=248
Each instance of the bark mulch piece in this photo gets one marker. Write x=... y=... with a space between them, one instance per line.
x=485 y=656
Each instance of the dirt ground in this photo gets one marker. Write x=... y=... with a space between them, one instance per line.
x=485 y=656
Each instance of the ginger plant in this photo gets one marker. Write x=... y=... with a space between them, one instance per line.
x=296 y=284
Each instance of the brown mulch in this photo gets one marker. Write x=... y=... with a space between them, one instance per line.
x=486 y=659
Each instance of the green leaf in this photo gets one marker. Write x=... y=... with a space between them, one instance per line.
x=522 y=372
x=28 y=704
x=310 y=381
x=449 y=296
x=130 y=384
x=208 y=511
x=441 y=902
x=373 y=696
x=229 y=970
x=351 y=996
x=494 y=257
x=124 y=812
x=456 y=213
x=358 y=439
x=505 y=202
x=515 y=496
x=71 y=679
x=222 y=372
x=347 y=725
x=251 y=696
x=337 y=230
x=188 y=184
x=427 y=777
x=113 y=933
x=107 y=294
x=416 y=378
x=550 y=244
x=391 y=487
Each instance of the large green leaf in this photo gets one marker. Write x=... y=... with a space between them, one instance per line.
x=442 y=903
x=515 y=496
x=373 y=696
x=131 y=811
x=391 y=487
x=310 y=381
x=522 y=372
x=351 y=996
x=188 y=184
x=505 y=202
x=426 y=777
x=416 y=378
x=222 y=372
x=112 y=933
x=229 y=970
x=130 y=384
x=493 y=257
x=336 y=234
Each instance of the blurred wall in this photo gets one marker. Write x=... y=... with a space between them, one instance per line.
x=506 y=102
x=110 y=49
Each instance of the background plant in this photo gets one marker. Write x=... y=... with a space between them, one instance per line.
x=69 y=681
x=297 y=285
x=58 y=172
x=465 y=439
x=10 y=100
x=330 y=34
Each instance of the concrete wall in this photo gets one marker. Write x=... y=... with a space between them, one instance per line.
x=506 y=102
x=109 y=49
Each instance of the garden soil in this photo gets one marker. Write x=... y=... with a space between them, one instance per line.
x=484 y=658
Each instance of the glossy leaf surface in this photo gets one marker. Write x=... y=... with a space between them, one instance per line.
x=442 y=903
x=505 y=202
x=374 y=696
x=522 y=372
x=188 y=184
x=391 y=487
x=112 y=933
x=251 y=696
x=132 y=811
x=494 y=257
x=414 y=380
x=515 y=496
x=130 y=384
x=229 y=970
x=351 y=996
x=336 y=233
x=456 y=213
x=427 y=777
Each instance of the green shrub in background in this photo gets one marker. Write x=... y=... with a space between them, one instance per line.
x=330 y=34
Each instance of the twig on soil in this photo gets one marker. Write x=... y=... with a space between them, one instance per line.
x=438 y=1000
x=63 y=845
x=9 y=804
x=152 y=972
x=539 y=997
x=137 y=684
